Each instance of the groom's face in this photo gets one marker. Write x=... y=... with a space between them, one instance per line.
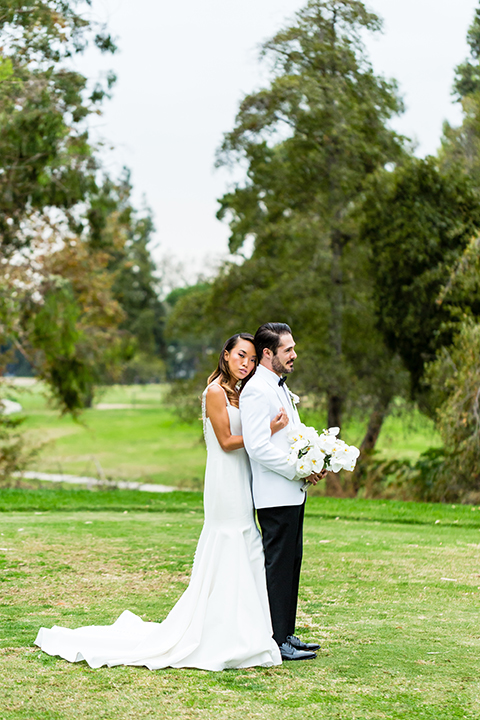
x=283 y=359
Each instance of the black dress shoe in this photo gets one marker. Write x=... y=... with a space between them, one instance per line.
x=300 y=645
x=288 y=652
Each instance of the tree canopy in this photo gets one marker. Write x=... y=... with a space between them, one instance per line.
x=46 y=158
x=78 y=296
x=418 y=221
x=309 y=141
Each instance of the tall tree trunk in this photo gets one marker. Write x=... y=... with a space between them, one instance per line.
x=374 y=426
x=369 y=441
x=335 y=395
x=335 y=407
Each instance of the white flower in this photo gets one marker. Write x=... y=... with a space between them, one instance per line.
x=344 y=456
x=332 y=431
x=317 y=458
x=304 y=466
x=335 y=465
x=294 y=398
x=300 y=446
x=311 y=435
x=293 y=456
x=327 y=442
x=350 y=458
x=302 y=432
x=311 y=452
x=297 y=433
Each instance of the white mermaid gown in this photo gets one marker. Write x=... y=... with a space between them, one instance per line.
x=222 y=620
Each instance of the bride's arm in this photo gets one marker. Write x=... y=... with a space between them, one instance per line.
x=217 y=412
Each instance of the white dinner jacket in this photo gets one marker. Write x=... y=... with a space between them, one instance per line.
x=274 y=480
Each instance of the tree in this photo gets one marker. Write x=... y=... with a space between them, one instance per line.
x=126 y=234
x=460 y=149
x=310 y=140
x=422 y=222
x=53 y=195
x=88 y=310
x=45 y=154
x=455 y=377
x=48 y=166
x=192 y=339
x=57 y=307
x=418 y=221
x=78 y=295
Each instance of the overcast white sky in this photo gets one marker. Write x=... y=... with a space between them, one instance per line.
x=184 y=66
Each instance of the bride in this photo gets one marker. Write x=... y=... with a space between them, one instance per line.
x=223 y=619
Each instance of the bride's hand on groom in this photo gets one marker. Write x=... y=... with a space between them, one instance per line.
x=279 y=421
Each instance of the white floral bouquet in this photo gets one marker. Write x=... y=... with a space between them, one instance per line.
x=312 y=453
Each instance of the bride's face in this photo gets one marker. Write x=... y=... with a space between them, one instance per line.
x=241 y=359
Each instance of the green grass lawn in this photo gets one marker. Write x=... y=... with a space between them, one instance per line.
x=145 y=441
x=391 y=590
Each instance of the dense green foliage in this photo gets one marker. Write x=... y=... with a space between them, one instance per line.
x=126 y=235
x=365 y=250
x=309 y=141
x=454 y=375
x=78 y=296
x=455 y=378
x=48 y=172
x=45 y=154
x=418 y=221
x=193 y=339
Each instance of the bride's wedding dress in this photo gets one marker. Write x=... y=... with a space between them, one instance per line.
x=223 y=619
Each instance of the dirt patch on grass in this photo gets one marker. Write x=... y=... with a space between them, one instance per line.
x=49 y=435
x=99 y=575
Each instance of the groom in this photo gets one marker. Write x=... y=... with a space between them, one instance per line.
x=277 y=493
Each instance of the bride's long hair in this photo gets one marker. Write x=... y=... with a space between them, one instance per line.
x=222 y=370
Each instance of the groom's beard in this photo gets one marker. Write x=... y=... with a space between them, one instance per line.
x=280 y=368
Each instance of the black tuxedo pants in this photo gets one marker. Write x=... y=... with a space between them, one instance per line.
x=282 y=534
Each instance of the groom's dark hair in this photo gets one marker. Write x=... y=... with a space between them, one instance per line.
x=268 y=336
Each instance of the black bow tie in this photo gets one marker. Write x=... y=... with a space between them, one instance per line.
x=282 y=381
